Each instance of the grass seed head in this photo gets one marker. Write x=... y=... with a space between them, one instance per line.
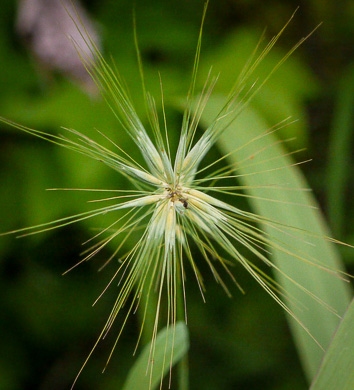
x=171 y=209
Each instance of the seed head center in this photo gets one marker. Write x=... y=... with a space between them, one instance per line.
x=176 y=195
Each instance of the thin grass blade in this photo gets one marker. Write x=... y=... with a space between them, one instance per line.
x=166 y=342
x=334 y=291
x=337 y=368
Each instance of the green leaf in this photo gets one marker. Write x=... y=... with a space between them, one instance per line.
x=340 y=151
x=320 y=322
x=337 y=368
x=139 y=377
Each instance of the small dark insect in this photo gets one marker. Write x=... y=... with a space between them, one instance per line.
x=184 y=202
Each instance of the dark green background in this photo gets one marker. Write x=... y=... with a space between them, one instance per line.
x=47 y=324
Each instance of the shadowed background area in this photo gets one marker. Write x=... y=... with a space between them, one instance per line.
x=47 y=323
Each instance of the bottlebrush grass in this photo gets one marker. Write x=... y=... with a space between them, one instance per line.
x=173 y=204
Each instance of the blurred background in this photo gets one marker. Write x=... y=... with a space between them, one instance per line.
x=47 y=323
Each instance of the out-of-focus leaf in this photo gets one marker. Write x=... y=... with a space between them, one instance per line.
x=279 y=99
x=340 y=151
x=337 y=368
x=332 y=290
x=26 y=199
x=166 y=341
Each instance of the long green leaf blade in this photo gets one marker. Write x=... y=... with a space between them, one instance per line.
x=335 y=292
x=139 y=377
x=337 y=368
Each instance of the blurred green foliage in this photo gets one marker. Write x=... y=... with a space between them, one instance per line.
x=47 y=323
